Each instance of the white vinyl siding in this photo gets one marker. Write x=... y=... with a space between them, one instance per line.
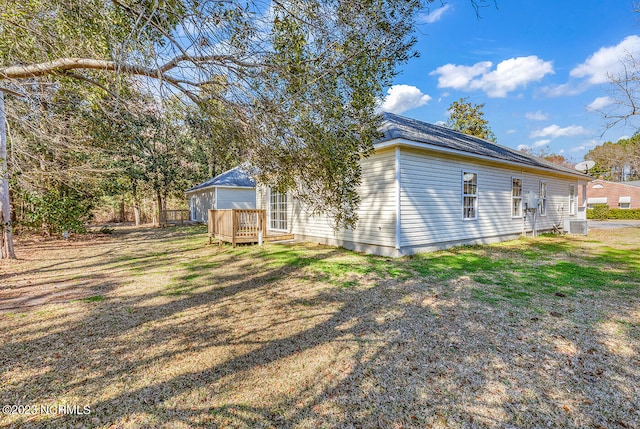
x=426 y=189
x=430 y=182
x=376 y=215
x=236 y=198
x=516 y=197
x=200 y=202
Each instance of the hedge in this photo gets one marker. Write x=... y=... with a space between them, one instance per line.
x=603 y=212
x=624 y=214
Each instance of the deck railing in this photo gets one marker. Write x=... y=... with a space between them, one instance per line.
x=174 y=216
x=237 y=225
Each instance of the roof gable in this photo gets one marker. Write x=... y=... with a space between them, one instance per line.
x=630 y=185
x=399 y=127
x=236 y=177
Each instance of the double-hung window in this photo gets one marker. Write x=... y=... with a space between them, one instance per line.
x=469 y=195
x=573 y=203
x=516 y=197
x=543 y=199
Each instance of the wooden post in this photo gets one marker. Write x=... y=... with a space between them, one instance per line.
x=210 y=224
x=233 y=227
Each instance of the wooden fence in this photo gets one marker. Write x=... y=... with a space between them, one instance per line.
x=174 y=216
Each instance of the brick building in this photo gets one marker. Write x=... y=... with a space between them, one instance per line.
x=617 y=195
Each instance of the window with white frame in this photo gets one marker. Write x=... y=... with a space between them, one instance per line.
x=469 y=195
x=516 y=197
x=624 y=202
x=278 y=210
x=573 y=200
x=543 y=199
x=596 y=200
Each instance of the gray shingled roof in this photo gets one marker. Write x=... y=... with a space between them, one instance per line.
x=236 y=177
x=399 y=127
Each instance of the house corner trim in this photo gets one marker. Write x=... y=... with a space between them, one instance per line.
x=398 y=199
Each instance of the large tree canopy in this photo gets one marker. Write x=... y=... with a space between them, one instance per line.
x=300 y=79
x=617 y=161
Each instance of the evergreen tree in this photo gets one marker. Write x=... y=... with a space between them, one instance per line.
x=468 y=118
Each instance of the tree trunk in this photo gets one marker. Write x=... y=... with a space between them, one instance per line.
x=136 y=212
x=5 y=207
x=158 y=208
x=136 y=203
x=122 y=213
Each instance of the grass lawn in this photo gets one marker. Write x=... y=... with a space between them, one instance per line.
x=151 y=328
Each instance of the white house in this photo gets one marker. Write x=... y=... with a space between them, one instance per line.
x=427 y=187
x=233 y=189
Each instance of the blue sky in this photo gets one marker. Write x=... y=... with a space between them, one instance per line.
x=540 y=67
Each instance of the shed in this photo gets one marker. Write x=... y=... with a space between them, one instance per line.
x=233 y=189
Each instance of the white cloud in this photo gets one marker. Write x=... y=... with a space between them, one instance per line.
x=590 y=145
x=541 y=143
x=513 y=73
x=563 y=89
x=401 y=98
x=434 y=16
x=554 y=131
x=506 y=77
x=536 y=116
x=523 y=147
x=600 y=103
x=459 y=77
x=607 y=61
x=512 y=131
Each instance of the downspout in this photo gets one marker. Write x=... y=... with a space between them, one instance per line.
x=398 y=200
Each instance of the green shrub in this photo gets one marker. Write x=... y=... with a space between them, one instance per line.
x=626 y=214
x=54 y=212
x=603 y=212
x=598 y=212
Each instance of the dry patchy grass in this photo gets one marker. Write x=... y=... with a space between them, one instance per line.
x=151 y=328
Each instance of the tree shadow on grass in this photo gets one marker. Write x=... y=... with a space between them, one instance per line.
x=95 y=272
x=262 y=344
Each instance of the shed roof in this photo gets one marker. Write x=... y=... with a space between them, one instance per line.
x=400 y=127
x=235 y=178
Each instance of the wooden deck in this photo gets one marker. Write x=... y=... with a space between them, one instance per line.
x=241 y=226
